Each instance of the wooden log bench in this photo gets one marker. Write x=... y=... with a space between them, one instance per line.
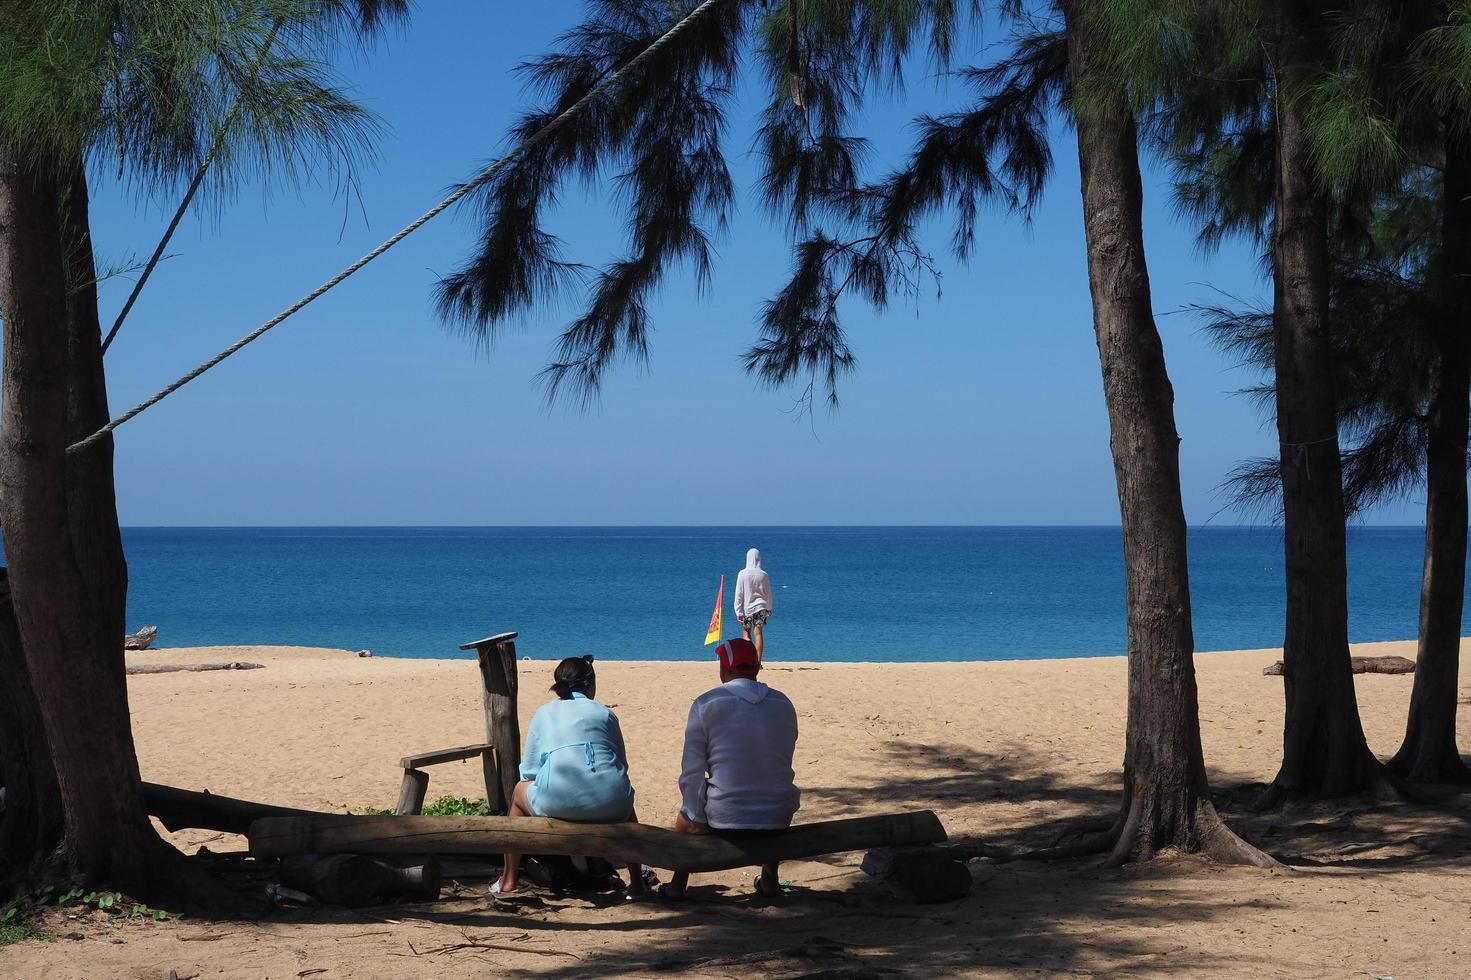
x=655 y=847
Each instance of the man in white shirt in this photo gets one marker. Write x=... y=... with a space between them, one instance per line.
x=737 y=776
x=753 y=601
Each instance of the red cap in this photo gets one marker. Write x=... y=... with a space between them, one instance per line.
x=738 y=655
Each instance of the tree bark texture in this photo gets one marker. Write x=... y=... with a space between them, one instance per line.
x=1166 y=800
x=1324 y=752
x=30 y=826
x=67 y=573
x=1429 y=752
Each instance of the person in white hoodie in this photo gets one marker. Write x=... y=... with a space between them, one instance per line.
x=753 y=600
x=736 y=777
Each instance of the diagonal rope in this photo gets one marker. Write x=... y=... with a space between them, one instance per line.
x=204 y=165
x=536 y=139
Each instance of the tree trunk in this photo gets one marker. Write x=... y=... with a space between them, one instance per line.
x=1429 y=751
x=30 y=826
x=1324 y=752
x=67 y=573
x=1166 y=801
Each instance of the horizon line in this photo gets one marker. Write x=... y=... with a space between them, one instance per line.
x=711 y=527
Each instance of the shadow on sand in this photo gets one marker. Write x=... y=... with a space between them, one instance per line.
x=1022 y=916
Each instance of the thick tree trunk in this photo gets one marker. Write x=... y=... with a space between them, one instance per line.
x=67 y=573
x=30 y=826
x=1167 y=800
x=1324 y=752
x=1429 y=751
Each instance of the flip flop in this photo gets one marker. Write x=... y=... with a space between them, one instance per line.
x=496 y=889
x=669 y=894
x=768 y=889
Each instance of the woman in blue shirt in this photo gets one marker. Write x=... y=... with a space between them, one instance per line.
x=573 y=766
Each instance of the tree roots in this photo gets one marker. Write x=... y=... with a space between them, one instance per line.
x=1124 y=842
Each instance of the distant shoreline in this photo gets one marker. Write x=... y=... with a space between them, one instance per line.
x=1370 y=648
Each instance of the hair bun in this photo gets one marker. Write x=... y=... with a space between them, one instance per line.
x=573 y=676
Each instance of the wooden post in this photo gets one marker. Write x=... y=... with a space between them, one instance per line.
x=492 y=770
x=411 y=793
x=497 y=656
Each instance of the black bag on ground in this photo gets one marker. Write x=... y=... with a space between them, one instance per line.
x=572 y=874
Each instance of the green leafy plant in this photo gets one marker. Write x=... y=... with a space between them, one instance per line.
x=14 y=926
x=457 y=806
x=445 y=806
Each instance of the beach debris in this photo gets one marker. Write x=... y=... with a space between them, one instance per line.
x=171 y=668
x=818 y=956
x=279 y=895
x=926 y=875
x=480 y=943
x=1361 y=665
x=141 y=640
x=365 y=653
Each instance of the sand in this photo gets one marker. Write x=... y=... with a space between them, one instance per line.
x=1006 y=751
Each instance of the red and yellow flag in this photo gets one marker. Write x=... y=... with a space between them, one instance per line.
x=712 y=635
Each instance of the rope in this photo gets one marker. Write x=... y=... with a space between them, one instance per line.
x=209 y=158
x=1300 y=453
x=536 y=139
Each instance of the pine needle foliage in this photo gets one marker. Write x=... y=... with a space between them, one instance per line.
x=145 y=88
x=1384 y=88
x=661 y=140
x=1384 y=310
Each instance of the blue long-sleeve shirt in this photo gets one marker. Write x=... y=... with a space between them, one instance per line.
x=576 y=762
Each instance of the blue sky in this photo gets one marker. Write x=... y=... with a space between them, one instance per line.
x=983 y=406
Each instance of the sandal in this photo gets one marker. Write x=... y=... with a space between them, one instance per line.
x=669 y=893
x=768 y=889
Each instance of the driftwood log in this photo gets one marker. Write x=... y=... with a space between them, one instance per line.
x=141 y=640
x=622 y=842
x=355 y=880
x=1362 y=665
x=178 y=809
x=172 y=668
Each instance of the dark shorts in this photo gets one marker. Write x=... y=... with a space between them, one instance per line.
x=757 y=620
x=737 y=834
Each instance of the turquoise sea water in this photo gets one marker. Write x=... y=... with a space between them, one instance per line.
x=841 y=594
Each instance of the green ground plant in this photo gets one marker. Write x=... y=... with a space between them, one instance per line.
x=445 y=806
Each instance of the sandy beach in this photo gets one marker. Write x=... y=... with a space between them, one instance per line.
x=1006 y=751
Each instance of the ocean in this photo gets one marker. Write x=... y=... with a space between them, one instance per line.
x=840 y=593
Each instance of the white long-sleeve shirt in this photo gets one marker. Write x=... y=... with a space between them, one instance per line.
x=753 y=588
x=737 y=769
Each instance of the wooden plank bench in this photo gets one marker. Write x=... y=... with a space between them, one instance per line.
x=415 y=784
x=655 y=847
x=500 y=753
